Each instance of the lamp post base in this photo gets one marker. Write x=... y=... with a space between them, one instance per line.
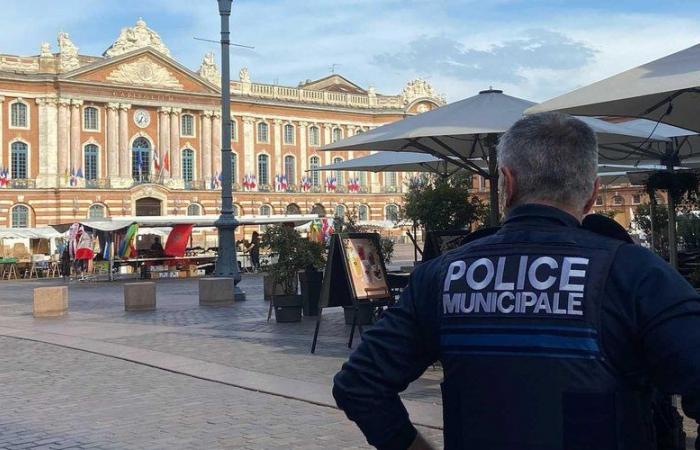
x=226 y=261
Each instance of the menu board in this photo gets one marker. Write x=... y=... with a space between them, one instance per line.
x=365 y=267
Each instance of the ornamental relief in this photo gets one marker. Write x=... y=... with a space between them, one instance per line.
x=144 y=72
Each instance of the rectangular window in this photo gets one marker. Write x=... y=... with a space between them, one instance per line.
x=234 y=168
x=187 y=125
x=314 y=136
x=636 y=199
x=18 y=115
x=19 y=163
x=90 y=118
x=263 y=177
x=262 y=132
x=187 y=165
x=289 y=134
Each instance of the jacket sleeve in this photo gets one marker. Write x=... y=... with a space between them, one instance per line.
x=668 y=319
x=393 y=353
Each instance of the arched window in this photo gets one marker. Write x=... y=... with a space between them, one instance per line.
x=234 y=130
x=390 y=179
x=188 y=165
x=289 y=134
x=618 y=200
x=338 y=174
x=391 y=213
x=340 y=211
x=363 y=213
x=187 y=125
x=18 y=115
x=289 y=168
x=20 y=216
x=91 y=118
x=319 y=209
x=141 y=160
x=265 y=210
x=263 y=169
x=263 y=132
x=293 y=208
x=234 y=168
x=599 y=200
x=337 y=135
x=96 y=211
x=362 y=178
x=91 y=153
x=18 y=160
x=194 y=209
x=314 y=135
x=315 y=163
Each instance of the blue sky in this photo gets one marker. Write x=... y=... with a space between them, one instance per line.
x=533 y=49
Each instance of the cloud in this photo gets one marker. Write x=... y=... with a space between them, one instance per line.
x=503 y=62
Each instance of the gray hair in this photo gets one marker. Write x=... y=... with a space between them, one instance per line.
x=554 y=158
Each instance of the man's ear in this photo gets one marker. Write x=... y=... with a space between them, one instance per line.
x=509 y=187
x=591 y=201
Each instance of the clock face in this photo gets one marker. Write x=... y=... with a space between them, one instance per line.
x=142 y=118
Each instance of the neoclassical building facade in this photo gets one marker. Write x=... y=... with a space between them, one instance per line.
x=134 y=132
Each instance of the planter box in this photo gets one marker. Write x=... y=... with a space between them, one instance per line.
x=269 y=290
x=310 y=282
x=287 y=308
x=364 y=314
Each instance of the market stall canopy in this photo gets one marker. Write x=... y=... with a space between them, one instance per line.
x=402 y=162
x=29 y=233
x=666 y=90
x=118 y=223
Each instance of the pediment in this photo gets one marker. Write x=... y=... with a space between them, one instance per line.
x=143 y=68
x=334 y=83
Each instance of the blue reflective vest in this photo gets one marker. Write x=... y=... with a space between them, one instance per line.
x=550 y=336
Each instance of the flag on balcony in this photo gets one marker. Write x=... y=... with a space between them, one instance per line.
x=249 y=182
x=281 y=183
x=73 y=178
x=331 y=183
x=305 y=183
x=166 y=162
x=216 y=181
x=4 y=177
x=156 y=160
x=354 y=184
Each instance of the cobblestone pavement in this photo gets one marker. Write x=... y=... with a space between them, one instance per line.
x=58 y=398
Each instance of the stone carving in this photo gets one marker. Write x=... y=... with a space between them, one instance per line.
x=136 y=37
x=244 y=75
x=67 y=53
x=144 y=72
x=46 y=50
x=209 y=71
x=419 y=88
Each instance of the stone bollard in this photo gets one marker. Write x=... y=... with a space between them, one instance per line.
x=216 y=291
x=50 y=301
x=140 y=296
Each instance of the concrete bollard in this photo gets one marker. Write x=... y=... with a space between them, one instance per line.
x=140 y=296
x=50 y=301
x=216 y=291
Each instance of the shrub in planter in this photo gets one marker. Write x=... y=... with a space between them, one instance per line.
x=294 y=255
x=311 y=278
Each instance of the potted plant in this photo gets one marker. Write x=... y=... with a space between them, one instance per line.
x=311 y=278
x=292 y=253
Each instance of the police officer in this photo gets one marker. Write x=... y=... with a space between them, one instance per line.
x=551 y=336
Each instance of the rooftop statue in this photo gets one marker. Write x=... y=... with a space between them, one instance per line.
x=67 y=52
x=209 y=71
x=134 y=38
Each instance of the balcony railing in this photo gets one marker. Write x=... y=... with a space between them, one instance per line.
x=195 y=185
x=22 y=183
x=100 y=183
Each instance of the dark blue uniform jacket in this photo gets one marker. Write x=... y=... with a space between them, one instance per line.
x=550 y=337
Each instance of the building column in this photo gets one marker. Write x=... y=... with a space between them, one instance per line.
x=63 y=140
x=303 y=163
x=2 y=142
x=113 y=144
x=164 y=136
x=175 y=144
x=206 y=146
x=327 y=133
x=76 y=160
x=374 y=179
x=278 y=150
x=45 y=174
x=216 y=166
x=248 y=146
x=349 y=132
x=123 y=150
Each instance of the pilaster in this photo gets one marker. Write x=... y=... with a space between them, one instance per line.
x=48 y=143
x=75 y=129
x=113 y=146
x=175 y=146
x=327 y=131
x=303 y=163
x=206 y=146
x=2 y=142
x=63 y=140
x=216 y=143
x=248 y=145
x=164 y=137
x=278 y=150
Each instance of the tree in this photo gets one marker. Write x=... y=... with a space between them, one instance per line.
x=642 y=219
x=438 y=203
x=351 y=224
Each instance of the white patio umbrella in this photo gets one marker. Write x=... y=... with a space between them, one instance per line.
x=468 y=129
x=402 y=162
x=665 y=90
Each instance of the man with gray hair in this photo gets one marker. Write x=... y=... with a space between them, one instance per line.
x=552 y=330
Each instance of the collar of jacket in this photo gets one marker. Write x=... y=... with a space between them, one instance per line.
x=535 y=212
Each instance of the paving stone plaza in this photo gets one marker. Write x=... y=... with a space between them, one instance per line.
x=183 y=376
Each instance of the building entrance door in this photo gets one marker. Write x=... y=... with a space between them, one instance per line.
x=148 y=206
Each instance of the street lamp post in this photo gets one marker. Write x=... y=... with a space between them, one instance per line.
x=226 y=264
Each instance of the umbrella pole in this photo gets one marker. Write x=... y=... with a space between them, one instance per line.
x=672 y=245
x=652 y=203
x=491 y=140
